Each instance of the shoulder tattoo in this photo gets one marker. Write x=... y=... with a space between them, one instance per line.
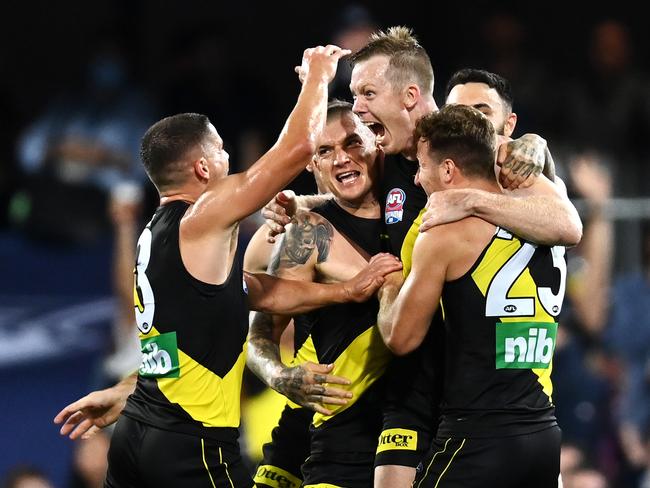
x=303 y=237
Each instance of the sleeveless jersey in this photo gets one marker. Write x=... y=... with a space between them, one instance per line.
x=500 y=320
x=192 y=335
x=404 y=205
x=347 y=335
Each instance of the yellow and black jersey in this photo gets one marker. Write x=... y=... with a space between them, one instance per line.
x=414 y=381
x=192 y=335
x=347 y=336
x=500 y=321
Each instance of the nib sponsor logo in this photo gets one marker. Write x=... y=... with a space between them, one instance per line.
x=525 y=345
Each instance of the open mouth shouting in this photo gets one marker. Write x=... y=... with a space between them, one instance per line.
x=376 y=127
x=348 y=177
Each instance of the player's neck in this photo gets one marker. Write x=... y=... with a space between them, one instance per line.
x=186 y=197
x=479 y=184
x=365 y=208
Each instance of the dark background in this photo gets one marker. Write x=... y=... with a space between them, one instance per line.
x=234 y=61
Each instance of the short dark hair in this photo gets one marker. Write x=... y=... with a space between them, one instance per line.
x=409 y=62
x=167 y=141
x=338 y=107
x=463 y=134
x=493 y=80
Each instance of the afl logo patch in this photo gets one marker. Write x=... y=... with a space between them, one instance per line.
x=244 y=285
x=395 y=205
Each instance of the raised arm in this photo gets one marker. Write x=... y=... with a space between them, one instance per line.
x=591 y=292
x=228 y=200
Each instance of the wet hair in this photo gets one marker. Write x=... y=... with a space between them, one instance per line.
x=463 y=134
x=338 y=107
x=471 y=75
x=166 y=143
x=409 y=62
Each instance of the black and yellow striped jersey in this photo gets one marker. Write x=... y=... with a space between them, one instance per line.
x=415 y=381
x=193 y=336
x=500 y=321
x=347 y=335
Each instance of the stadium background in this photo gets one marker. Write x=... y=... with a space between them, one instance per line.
x=234 y=61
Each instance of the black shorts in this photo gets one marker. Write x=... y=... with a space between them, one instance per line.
x=530 y=460
x=141 y=455
x=410 y=412
x=343 y=447
x=347 y=469
x=287 y=451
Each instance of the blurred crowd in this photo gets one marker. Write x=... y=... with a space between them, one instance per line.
x=70 y=176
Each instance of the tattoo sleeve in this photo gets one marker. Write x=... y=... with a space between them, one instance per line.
x=306 y=235
x=263 y=357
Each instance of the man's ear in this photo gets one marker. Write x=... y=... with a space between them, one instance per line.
x=313 y=164
x=201 y=169
x=411 y=96
x=447 y=170
x=509 y=125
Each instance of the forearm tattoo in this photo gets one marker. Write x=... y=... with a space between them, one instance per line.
x=300 y=241
x=265 y=351
x=296 y=383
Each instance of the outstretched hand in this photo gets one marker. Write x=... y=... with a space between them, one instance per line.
x=99 y=409
x=369 y=279
x=307 y=385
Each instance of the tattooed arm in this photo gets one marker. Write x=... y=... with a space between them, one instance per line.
x=305 y=384
x=306 y=243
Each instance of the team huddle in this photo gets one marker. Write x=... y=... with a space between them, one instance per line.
x=423 y=285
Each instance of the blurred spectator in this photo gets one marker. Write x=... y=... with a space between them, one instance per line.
x=26 y=477
x=582 y=391
x=9 y=174
x=504 y=48
x=628 y=336
x=592 y=268
x=204 y=75
x=123 y=356
x=351 y=30
x=125 y=213
x=83 y=144
x=607 y=107
x=585 y=478
x=90 y=460
x=575 y=469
